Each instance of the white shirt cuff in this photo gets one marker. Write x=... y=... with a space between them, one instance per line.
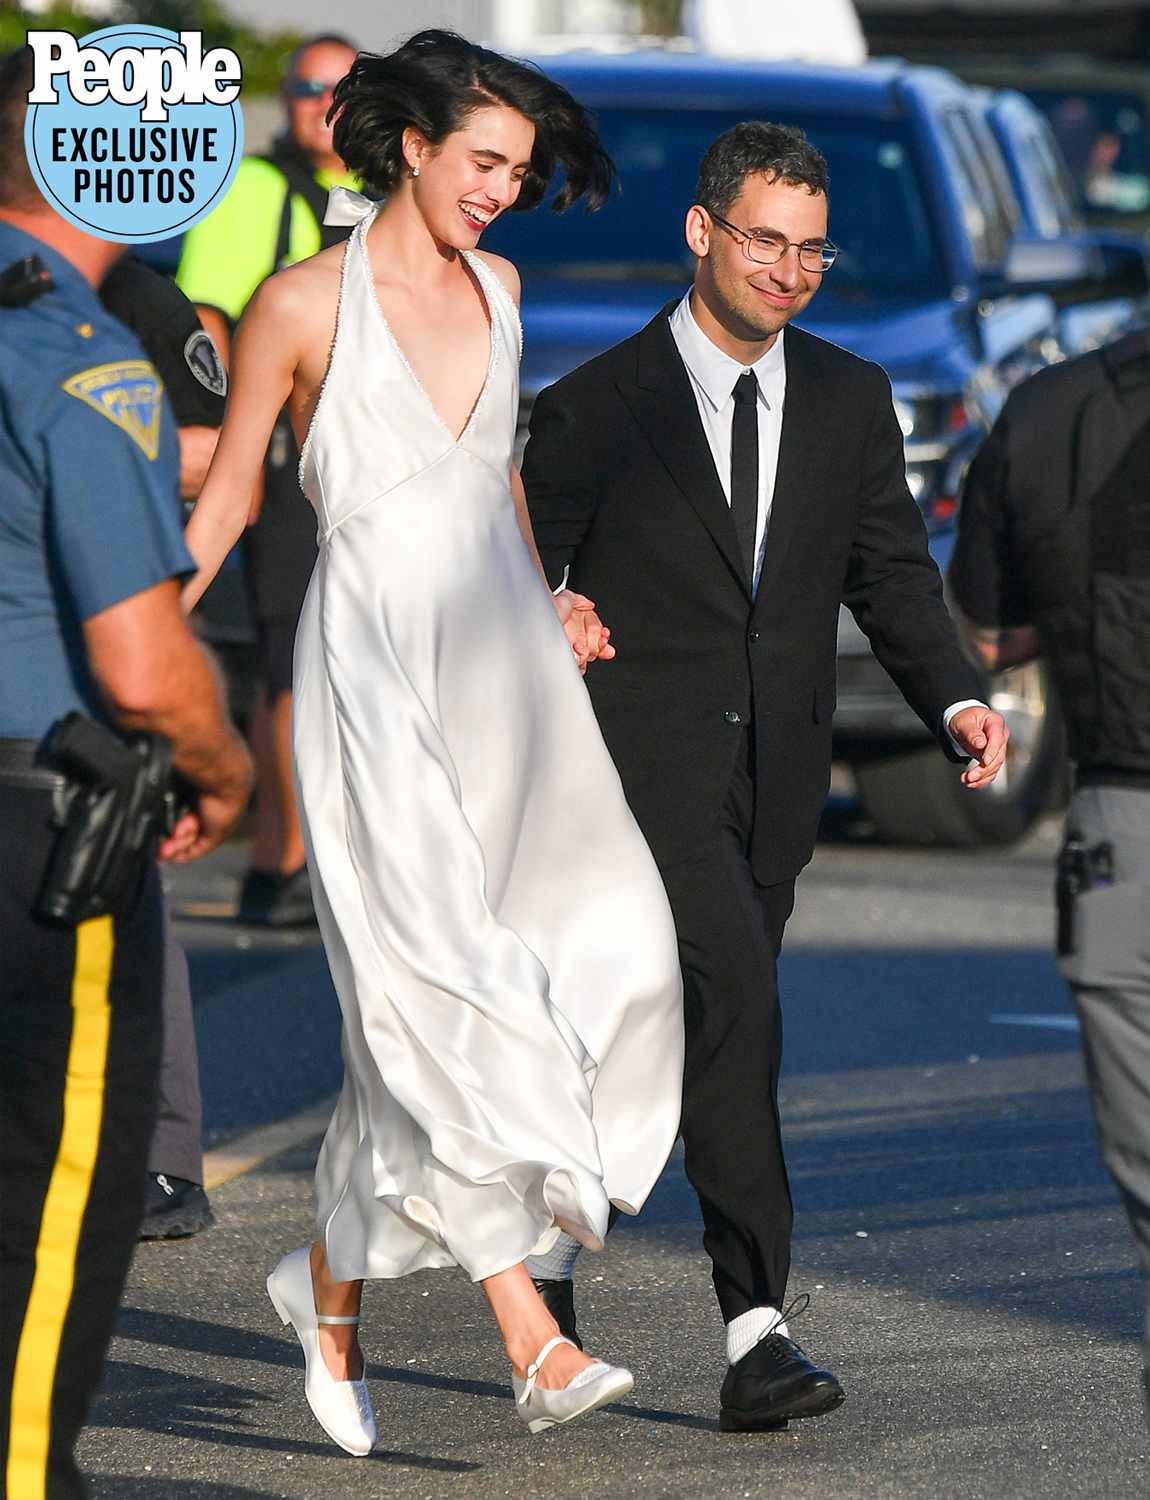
x=558 y=589
x=956 y=708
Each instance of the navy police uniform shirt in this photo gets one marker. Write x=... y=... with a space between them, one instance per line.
x=89 y=488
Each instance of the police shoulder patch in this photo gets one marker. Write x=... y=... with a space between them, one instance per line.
x=202 y=358
x=129 y=393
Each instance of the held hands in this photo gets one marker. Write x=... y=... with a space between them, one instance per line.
x=590 y=638
x=982 y=734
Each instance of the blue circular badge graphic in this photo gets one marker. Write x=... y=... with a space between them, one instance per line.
x=132 y=171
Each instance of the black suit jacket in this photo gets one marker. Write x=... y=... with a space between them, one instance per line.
x=622 y=487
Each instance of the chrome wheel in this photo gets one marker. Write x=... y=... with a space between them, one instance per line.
x=1020 y=696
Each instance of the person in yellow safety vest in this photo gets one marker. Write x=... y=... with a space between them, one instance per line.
x=272 y=216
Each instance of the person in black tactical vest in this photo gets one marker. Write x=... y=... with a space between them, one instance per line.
x=195 y=383
x=272 y=216
x=1053 y=557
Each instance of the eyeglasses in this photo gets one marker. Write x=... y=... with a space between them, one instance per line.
x=767 y=249
x=307 y=88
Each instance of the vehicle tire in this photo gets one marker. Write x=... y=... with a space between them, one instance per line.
x=915 y=796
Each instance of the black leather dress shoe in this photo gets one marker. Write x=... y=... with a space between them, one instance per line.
x=559 y=1297
x=773 y=1383
x=174 y=1208
x=268 y=899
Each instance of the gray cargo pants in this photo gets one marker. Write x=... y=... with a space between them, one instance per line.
x=177 y=1149
x=1109 y=975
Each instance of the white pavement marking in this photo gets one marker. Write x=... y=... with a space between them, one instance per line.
x=1046 y=1023
x=245 y=1152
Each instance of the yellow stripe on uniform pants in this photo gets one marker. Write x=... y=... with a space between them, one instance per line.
x=34 y=1376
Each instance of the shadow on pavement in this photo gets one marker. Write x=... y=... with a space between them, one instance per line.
x=132 y=1391
x=973 y=1201
x=196 y=1407
x=197 y=1336
x=123 y=1487
x=263 y=1442
x=188 y=1399
x=859 y=1007
x=502 y=1393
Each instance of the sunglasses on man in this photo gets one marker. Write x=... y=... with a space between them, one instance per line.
x=308 y=88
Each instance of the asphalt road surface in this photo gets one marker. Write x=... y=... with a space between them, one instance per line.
x=971 y=1276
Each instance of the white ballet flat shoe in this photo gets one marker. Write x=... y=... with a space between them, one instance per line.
x=594 y=1386
x=341 y=1407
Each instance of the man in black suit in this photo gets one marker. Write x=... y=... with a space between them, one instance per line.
x=718 y=537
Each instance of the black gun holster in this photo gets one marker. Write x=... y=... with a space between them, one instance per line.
x=1080 y=869
x=116 y=803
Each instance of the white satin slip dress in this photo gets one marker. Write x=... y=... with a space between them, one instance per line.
x=497 y=932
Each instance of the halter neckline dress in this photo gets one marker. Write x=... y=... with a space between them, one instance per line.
x=497 y=932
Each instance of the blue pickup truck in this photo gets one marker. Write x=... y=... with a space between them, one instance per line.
x=933 y=282
x=1100 y=115
x=1048 y=211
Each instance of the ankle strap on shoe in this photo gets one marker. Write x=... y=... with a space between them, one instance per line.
x=537 y=1364
x=343 y=1321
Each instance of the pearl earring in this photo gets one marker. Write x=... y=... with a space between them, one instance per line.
x=415 y=171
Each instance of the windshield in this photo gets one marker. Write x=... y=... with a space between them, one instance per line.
x=1105 y=138
x=878 y=219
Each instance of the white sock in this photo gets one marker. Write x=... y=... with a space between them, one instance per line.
x=559 y=1262
x=745 y=1331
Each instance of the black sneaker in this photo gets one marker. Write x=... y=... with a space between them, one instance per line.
x=268 y=899
x=174 y=1208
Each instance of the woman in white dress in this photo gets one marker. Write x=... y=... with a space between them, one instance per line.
x=497 y=932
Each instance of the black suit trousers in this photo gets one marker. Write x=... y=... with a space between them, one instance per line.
x=730 y=931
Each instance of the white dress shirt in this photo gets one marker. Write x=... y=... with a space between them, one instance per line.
x=713 y=375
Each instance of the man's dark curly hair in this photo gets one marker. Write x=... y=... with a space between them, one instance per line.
x=433 y=82
x=780 y=152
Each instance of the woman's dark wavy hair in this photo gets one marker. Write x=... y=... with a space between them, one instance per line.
x=433 y=82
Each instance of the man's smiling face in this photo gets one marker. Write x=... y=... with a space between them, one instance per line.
x=755 y=300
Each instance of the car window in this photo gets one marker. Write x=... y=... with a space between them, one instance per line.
x=987 y=187
x=997 y=173
x=1051 y=202
x=1059 y=181
x=878 y=211
x=1104 y=135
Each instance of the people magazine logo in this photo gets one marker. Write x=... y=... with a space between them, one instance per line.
x=133 y=133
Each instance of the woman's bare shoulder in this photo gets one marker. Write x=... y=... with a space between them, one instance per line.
x=504 y=269
x=303 y=291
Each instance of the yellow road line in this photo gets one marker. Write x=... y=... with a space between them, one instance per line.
x=246 y=1152
x=62 y=1217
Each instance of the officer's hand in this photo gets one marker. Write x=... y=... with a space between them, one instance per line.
x=982 y=734
x=198 y=832
x=175 y=848
x=197 y=444
x=215 y=814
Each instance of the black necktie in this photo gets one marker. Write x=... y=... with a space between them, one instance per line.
x=745 y=468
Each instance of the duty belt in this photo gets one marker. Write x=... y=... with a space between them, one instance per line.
x=22 y=766
x=1119 y=776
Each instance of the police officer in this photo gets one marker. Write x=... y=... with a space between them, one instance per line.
x=1053 y=556
x=272 y=216
x=195 y=383
x=91 y=554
